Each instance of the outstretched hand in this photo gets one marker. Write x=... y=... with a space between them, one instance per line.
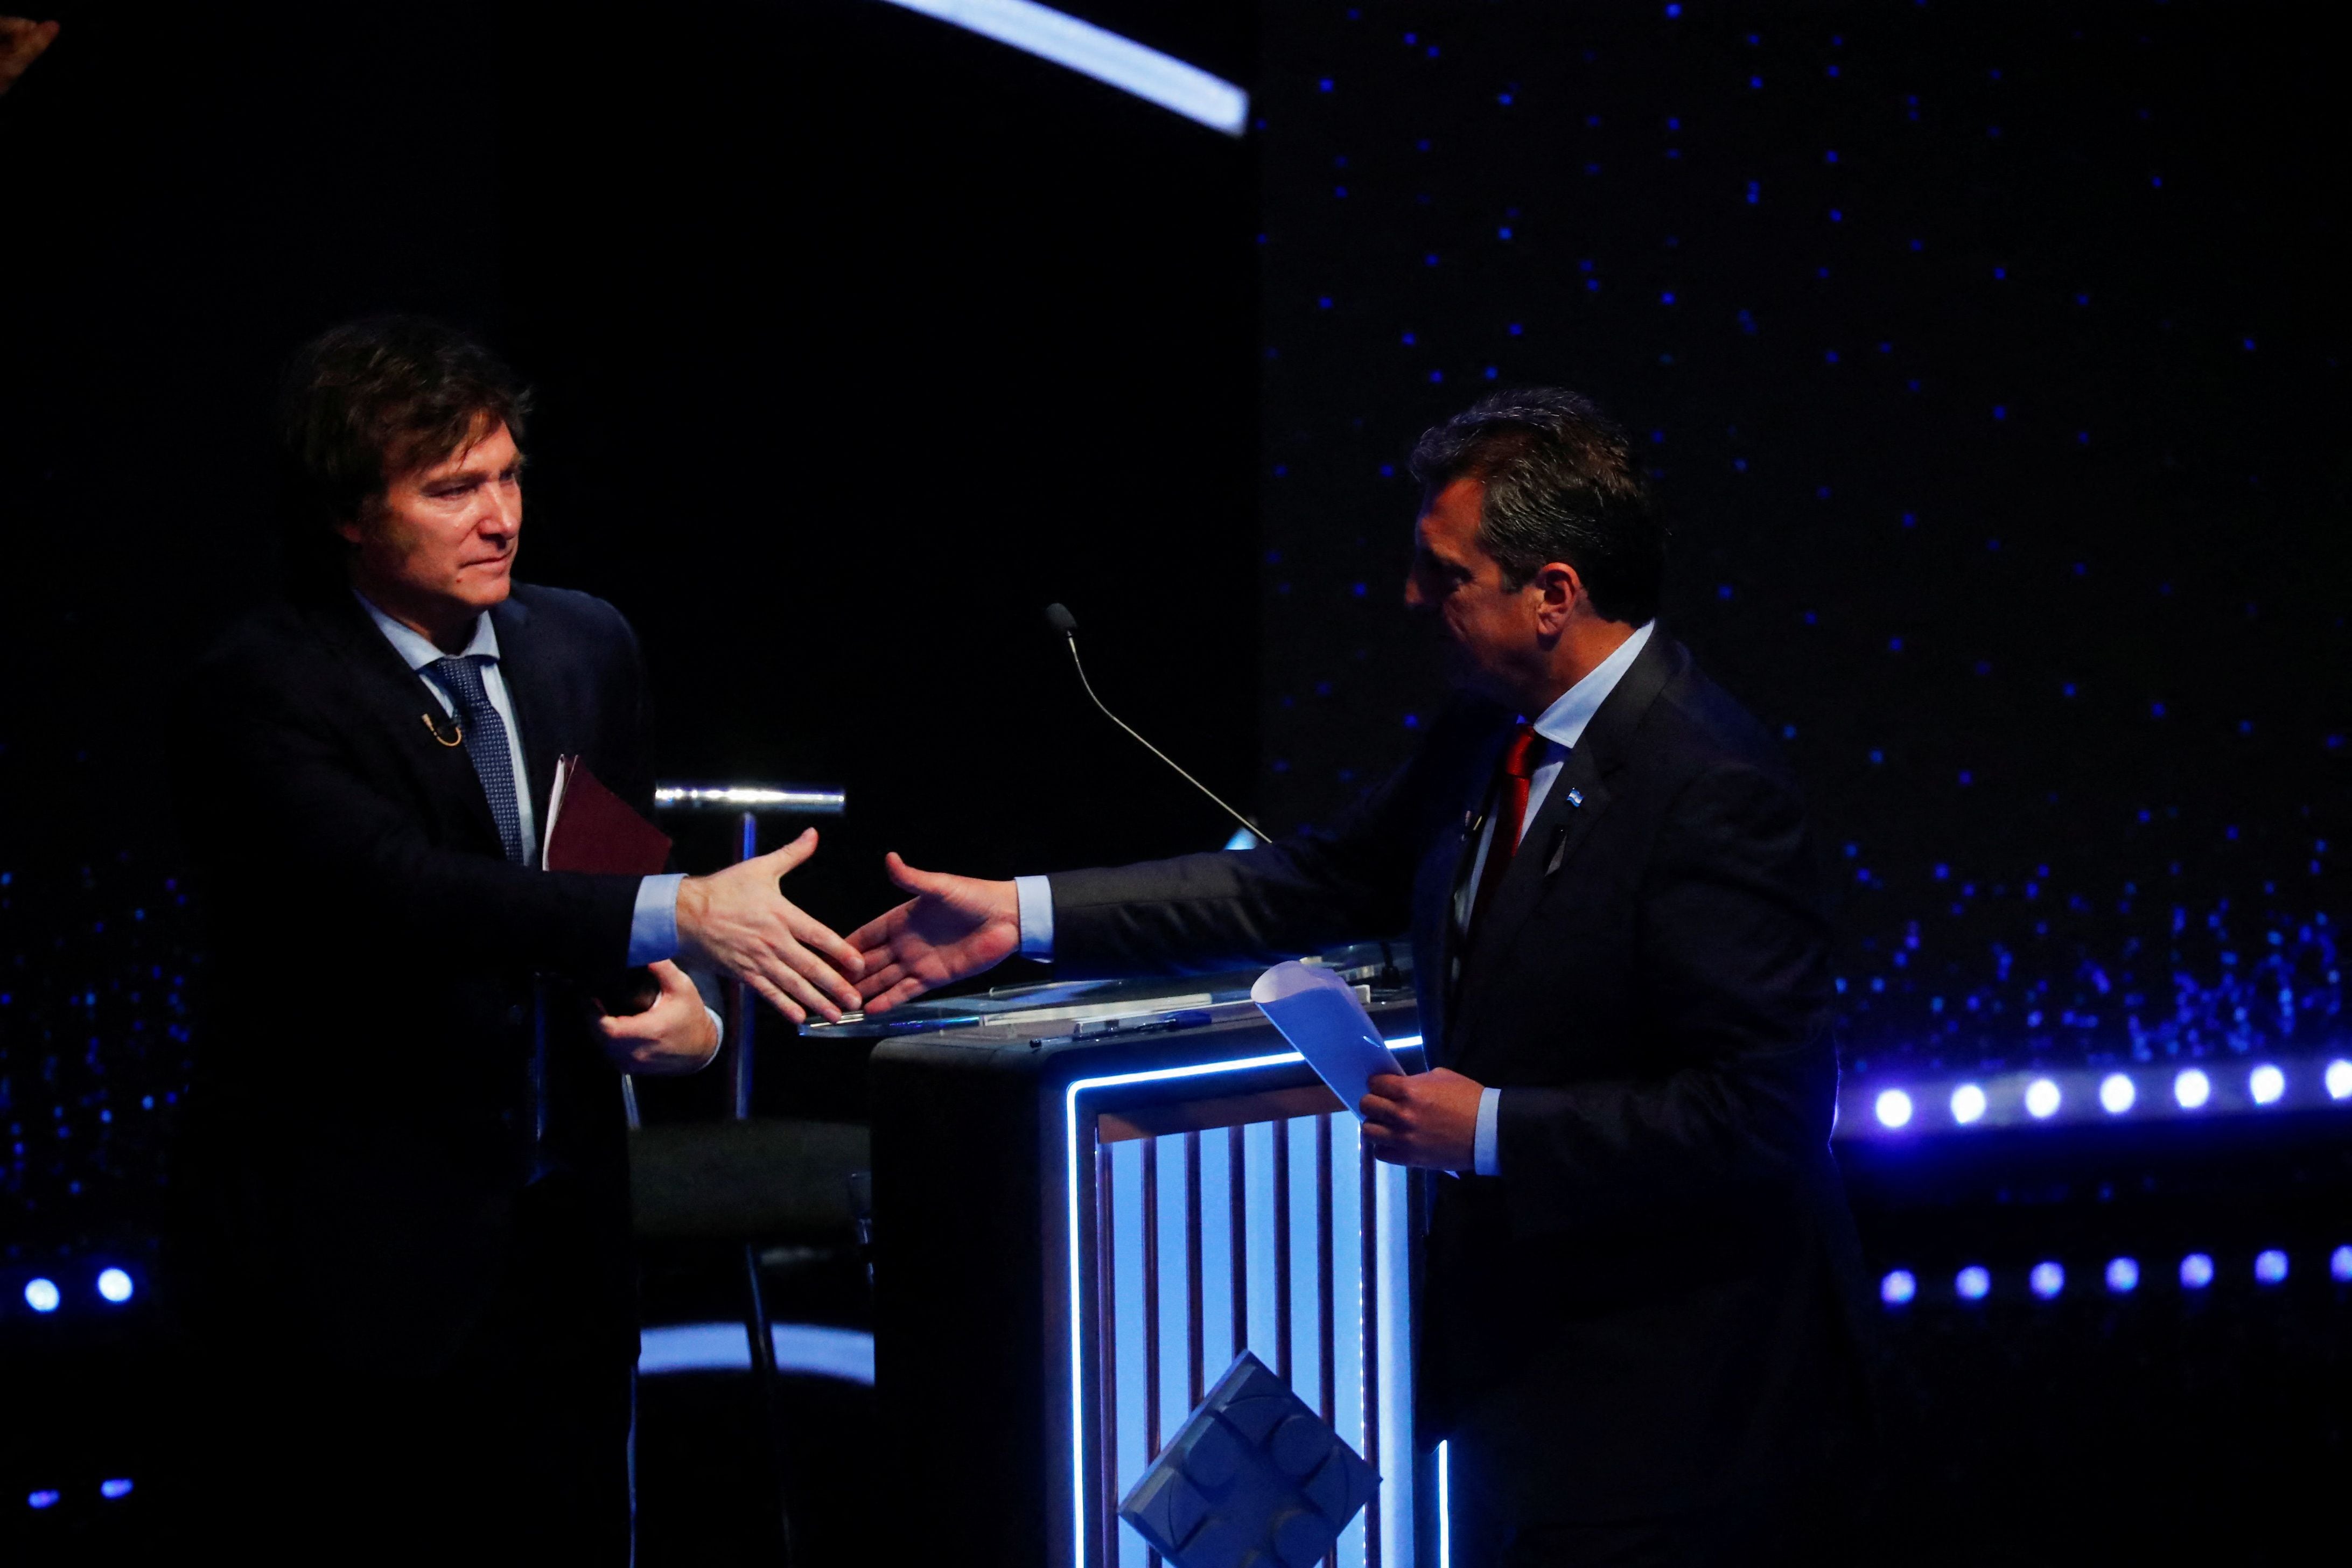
x=952 y=926
x=739 y=919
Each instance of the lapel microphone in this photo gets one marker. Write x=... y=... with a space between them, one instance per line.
x=1059 y=617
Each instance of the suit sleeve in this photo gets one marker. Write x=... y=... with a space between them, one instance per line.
x=1197 y=913
x=1734 y=992
x=304 y=848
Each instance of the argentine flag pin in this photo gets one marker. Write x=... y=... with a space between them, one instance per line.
x=1576 y=797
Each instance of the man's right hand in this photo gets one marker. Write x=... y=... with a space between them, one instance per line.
x=952 y=926
x=739 y=919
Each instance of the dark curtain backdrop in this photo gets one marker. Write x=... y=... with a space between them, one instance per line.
x=1991 y=362
x=857 y=339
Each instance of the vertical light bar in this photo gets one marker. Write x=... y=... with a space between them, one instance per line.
x=1444 y=1511
x=1176 y=1277
x=1370 y=1385
x=1196 y=1308
x=1282 y=1290
x=1097 y=52
x=1107 y=1272
x=1129 y=1326
x=1237 y=1235
x=1219 y=1344
x=1265 y=1258
x=1392 y=1267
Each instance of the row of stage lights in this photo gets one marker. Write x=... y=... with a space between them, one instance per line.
x=49 y=1497
x=43 y=1295
x=2047 y=1280
x=2118 y=1092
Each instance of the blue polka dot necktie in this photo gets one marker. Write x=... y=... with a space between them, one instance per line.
x=486 y=743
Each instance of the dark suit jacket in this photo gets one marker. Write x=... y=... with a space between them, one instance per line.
x=362 y=1120
x=1654 y=1304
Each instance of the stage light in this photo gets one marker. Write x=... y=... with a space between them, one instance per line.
x=1894 y=1109
x=2339 y=1079
x=2266 y=1083
x=119 y=1488
x=2116 y=1093
x=41 y=1295
x=2042 y=1099
x=1445 y=1508
x=1105 y=55
x=1974 y=1283
x=2047 y=1280
x=2196 y=1271
x=1897 y=1288
x=2123 y=1276
x=2339 y=1265
x=2192 y=1089
x=114 y=1285
x=1968 y=1103
x=2269 y=1267
x=42 y=1499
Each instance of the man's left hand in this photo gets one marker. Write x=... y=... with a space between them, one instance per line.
x=674 y=1036
x=1430 y=1120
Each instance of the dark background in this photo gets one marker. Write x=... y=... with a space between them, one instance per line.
x=2004 y=449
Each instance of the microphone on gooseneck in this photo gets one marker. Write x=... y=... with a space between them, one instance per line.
x=1059 y=617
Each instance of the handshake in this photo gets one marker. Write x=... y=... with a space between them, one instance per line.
x=739 y=921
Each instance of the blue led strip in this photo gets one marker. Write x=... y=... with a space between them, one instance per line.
x=1079 y=1489
x=1101 y=54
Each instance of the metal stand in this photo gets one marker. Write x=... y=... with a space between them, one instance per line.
x=743 y=1006
x=752 y=800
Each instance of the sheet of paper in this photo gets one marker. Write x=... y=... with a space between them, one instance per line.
x=1318 y=1012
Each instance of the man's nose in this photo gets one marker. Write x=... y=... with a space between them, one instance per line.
x=501 y=510
x=1413 y=597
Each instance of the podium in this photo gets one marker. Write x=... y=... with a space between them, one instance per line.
x=1088 y=1200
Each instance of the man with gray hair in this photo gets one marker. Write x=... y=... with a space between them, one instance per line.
x=1641 y=1304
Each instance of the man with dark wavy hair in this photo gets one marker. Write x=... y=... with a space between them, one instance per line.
x=405 y=1238
x=1639 y=1304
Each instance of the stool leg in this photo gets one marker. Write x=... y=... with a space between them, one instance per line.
x=763 y=1386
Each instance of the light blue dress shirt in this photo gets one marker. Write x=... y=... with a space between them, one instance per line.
x=652 y=925
x=1561 y=725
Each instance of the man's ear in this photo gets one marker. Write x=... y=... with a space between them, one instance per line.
x=1562 y=592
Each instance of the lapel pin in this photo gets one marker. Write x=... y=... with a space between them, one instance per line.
x=1576 y=797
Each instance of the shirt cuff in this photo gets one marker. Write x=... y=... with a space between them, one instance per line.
x=1036 y=896
x=653 y=929
x=1485 y=1157
x=716 y=1022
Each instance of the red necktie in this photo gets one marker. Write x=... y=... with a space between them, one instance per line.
x=1511 y=785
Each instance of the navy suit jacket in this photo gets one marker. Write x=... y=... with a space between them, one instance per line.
x=361 y=1119
x=1654 y=1305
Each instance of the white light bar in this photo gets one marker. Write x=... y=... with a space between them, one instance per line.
x=1090 y=50
x=818 y=1350
x=809 y=800
x=1873 y=1108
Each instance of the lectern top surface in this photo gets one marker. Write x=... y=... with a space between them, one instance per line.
x=1092 y=1006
